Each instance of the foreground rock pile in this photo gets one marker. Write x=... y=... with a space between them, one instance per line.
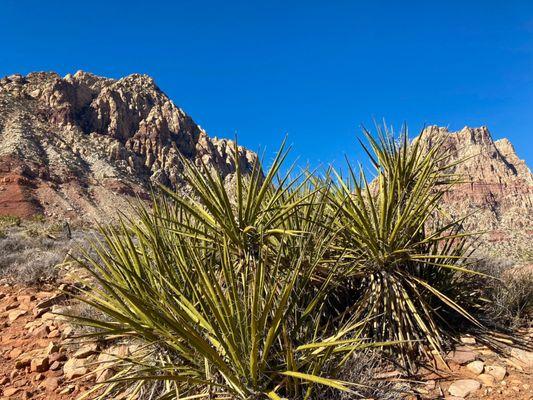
x=39 y=355
x=41 y=358
x=476 y=372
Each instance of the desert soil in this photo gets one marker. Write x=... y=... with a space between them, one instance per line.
x=39 y=359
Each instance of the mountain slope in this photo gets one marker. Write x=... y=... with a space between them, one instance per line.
x=497 y=188
x=72 y=147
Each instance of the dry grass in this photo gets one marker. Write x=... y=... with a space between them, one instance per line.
x=362 y=369
x=31 y=251
x=509 y=297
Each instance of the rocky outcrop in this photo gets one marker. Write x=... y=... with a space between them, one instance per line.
x=74 y=145
x=495 y=186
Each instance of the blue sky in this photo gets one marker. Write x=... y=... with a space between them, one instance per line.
x=315 y=70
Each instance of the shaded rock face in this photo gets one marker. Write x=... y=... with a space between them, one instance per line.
x=73 y=146
x=495 y=185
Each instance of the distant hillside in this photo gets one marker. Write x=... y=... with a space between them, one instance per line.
x=76 y=147
x=498 y=187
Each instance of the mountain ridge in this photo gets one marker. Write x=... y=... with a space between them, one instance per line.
x=79 y=146
x=70 y=144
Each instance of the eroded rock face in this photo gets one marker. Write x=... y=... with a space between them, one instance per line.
x=496 y=186
x=73 y=146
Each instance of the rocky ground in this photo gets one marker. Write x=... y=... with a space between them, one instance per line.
x=41 y=358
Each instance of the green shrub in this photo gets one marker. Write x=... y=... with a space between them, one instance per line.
x=405 y=267
x=263 y=289
x=7 y=221
x=221 y=286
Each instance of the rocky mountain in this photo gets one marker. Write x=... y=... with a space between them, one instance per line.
x=496 y=187
x=78 y=146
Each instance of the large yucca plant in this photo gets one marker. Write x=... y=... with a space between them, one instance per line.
x=221 y=289
x=405 y=267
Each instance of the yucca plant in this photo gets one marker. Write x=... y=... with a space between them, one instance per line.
x=405 y=268
x=221 y=288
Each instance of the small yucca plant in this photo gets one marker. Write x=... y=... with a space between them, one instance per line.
x=405 y=268
x=221 y=286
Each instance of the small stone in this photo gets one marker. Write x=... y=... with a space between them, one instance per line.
x=50 y=384
x=86 y=351
x=14 y=315
x=58 y=357
x=51 y=348
x=11 y=391
x=468 y=340
x=39 y=364
x=51 y=301
x=462 y=355
x=4 y=380
x=54 y=334
x=38 y=312
x=74 y=368
x=463 y=387
x=476 y=367
x=523 y=356
x=41 y=331
x=486 y=379
x=26 y=298
x=16 y=352
x=56 y=365
x=496 y=371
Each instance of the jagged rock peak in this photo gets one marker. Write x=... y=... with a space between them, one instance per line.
x=497 y=187
x=87 y=128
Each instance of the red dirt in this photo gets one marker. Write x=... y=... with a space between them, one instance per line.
x=15 y=191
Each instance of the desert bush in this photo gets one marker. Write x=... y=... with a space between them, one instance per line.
x=29 y=256
x=508 y=299
x=222 y=288
x=264 y=289
x=364 y=368
x=7 y=221
x=407 y=270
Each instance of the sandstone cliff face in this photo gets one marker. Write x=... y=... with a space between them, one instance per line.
x=497 y=187
x=74 y=146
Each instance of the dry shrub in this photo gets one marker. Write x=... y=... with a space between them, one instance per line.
x=509 y=297
x=362 y=369
x=29 y=255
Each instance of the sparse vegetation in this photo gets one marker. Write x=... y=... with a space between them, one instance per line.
x=263 y=290
x=508 y=300
x=30 y=255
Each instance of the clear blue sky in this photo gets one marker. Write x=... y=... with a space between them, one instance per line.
x=315 y=70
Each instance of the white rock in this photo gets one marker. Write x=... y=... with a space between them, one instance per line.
x=476 y=367
x=486 y=379
x=463 y=387
x=496 y=371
